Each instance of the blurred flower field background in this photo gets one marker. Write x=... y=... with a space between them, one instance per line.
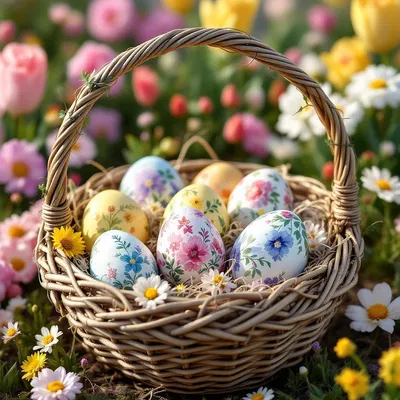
x=246 y=112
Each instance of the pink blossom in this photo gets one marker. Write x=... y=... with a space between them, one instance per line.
x=205 y=105
x=14 y=290
x=105 y=123
x=185 y=224
x=230 y=97
x=111 y=21
x=277 y=9
x=287 y=214
x=7 y=31
x=174 y=241
x=294 y=54
x=74 y=25
x=5 y=317
x=145 y=119
x=321 y=18
x=91 y=56
x=58 y=13
x=145 y=85
x=255 y=97
x=233 y=129
x=36 y=211
x=256 y=135
x=19 y=228
x=22 y=167
x=7 y=274
x=111 y=273
x=178 y=106
x=193 y=254
x=76 y=178
x=156 y=23
x=23 y=77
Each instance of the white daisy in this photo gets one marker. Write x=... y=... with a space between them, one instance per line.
x=47 y=339
x=316 y=235
x=58 y=384
x=380 y=181
x=5 y=317
x=313 y=65
x=216 y=282
x=377 y=86
x=16 y=304
x=10 y=331
x=377 y=309
x=283 y=148
x=262 y=394
x=151 y=291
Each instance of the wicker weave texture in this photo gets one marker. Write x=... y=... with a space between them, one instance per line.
x=218 y=344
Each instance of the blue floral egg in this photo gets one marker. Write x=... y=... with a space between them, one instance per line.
x=272 y=248
x=118 y=258
x=151 y=179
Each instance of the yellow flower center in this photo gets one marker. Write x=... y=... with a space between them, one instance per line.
x=132 y=261
x=16 y=231
x=18 y=264
x=257 y=396
x=180 y=288
x=261 y=211
x=20 y=169
x=277 y=244
x=218 y=279
x=76 y=147
x=384 y=184
x=151 y=293
x=55 y=386
x=47 y=339
x=149 y=183
x=11 y=332
x=378 y=84
x=377 y=311
x=67 y=244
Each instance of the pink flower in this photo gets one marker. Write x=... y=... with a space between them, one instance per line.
x=145 y=119
x=327 y=171
x=36 y=211
x=105 y=123
x=7 y=31
x=230 y=97
x=58 y=13
x=22 y=167
x=20 y=257
x=19 y=228
x=193 y=254
x=111 y=21
x=91 y=56
x=7 y=274
x=74 y=25
x=256 y=135
x=5 y=317
x=255 y=97
x=174 y=241
x=82 y=152
x=294 y=54
x=146 y=86
x=156 y=23
x=76 y=178
x=205 y=105
x=14 y=290
x=111 y=273
x=287 y=214
x=23 y=77
x=321 y=18
x=258 y=193
x=178 y=106
x=185 y=224
x=233 y=129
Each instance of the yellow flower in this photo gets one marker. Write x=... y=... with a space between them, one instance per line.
x=70 y=242
x=179 y=6
x=238 y=14
x=33 y=364
x=345 y=348
x=390 y=366
x=354 y=383
x=347 y=56
x=376 y=22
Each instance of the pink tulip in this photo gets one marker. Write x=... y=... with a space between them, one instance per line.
x=111 y=20
x=7 y=31
x=321 y=18
x=205 y=105
x=23 y=76
x=230 y=97
x=145 y=86
x=294 y=54
x=91 y=56
x=233 y=129
x=256 y=135
x=58 y=13
x=74 y=24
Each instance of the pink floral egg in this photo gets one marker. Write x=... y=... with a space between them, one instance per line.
x=188 y=246
x=258 y=193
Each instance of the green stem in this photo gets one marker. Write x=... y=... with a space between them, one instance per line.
x=385 y=59
x=359 y=362
x=322 y=363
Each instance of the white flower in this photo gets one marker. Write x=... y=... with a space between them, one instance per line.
x=377 y=86
x=314 y=39
x=47 y=339
x=380 y=181
x=151 y=291
x=313 y=65
x=303 y=370
x=58 y=384
x=283 y=149
x=10 y=331
x=255 y=96
x=387 y=148
x=16 y=304
x=145 y=119
x=5 y=317
x=216 y=282
x=377 y=309
x=262 y=394
x=316 y=235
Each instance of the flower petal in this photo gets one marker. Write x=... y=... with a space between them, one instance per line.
x=362 y=326
x=357 y=313
x=382 y=294
x=365 y=297
x=387 y=325
x=394 y=309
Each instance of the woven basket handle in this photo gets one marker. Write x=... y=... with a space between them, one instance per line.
x=345 y=190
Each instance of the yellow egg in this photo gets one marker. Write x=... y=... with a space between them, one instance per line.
x=111 y=209
x=204 y=199
x=220 y=176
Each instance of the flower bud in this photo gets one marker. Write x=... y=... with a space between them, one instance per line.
x=178 y=106
x=35 y=308
x=169 y=146
x=233 y=130
x=303 y=371
x=230 y=97
x=205 y=105
x=327 y=171
x=16 y=198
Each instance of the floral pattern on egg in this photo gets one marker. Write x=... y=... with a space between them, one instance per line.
x=260 y=192
x=119 y=259
x=151 y=179
x=188 y=245
x=272 y=248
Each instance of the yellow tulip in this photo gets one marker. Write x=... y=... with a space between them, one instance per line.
x=238 y=14
x=377 y=23
x=347 y=56
x=179 y=6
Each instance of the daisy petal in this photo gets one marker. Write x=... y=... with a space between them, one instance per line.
x=357 y=313
x=365 y=297
x=362 y=326
x=382 y=294
x=394 y=309
x=387 y=325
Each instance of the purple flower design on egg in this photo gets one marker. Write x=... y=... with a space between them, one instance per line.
x=149 y=182
x=278 y=244
x=235 y=256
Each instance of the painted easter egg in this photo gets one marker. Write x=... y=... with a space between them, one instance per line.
x=118 y=258
x=260 y=192
x=151 y=179
x=204 y=199
x=111 y=209
x=188 y=245
x=220 y=176
x=272 y=248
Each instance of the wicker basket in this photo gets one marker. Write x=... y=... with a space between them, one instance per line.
x=205 y=345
